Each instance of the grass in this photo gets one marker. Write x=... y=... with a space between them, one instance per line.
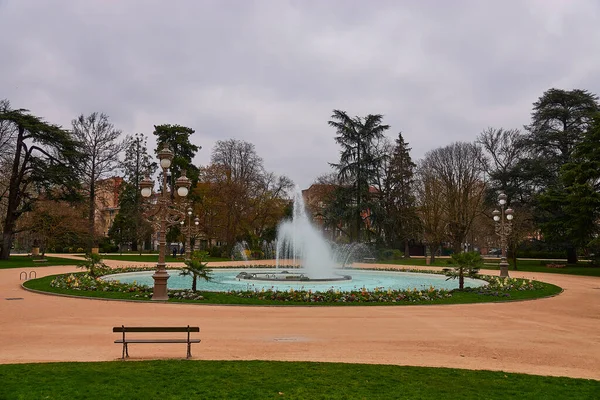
x=152 y=258
x=27 y=262
x=458 y=297
x=582 y=268
x=182 y=379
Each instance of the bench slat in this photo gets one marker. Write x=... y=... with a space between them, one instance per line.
x=157 y=341
x=156 y=329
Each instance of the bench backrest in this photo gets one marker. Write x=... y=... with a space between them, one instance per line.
x=124 y=329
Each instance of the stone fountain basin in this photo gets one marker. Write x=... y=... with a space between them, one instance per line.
x=286 y=276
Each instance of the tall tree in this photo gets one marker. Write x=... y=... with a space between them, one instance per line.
x=177 y=137
x=7 y=142
x=430 y=199
x=577 y=195
x=358 y=162
x=44 y=158
x=238 y=198
x=560 y=120
x=505 y=154
x=129 y=225
x=401 y=177
x=459 y=169
x=100 y=148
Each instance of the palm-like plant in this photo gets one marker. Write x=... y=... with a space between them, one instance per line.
x=467 y=263
x=197 y=268
x=94 y=265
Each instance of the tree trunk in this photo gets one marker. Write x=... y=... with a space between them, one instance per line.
x=571 y=255
x=513 y=255
x=91 y=213
x=194 y=282
x=461 y=279
x=7 y=237
x=431 y=253
x=406 y=249
x=10 y=221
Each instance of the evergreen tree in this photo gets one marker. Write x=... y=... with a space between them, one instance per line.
x=403 y=210
x=358 y=162
x=129 y=225
x=44 y=160
x=177 y=137
x=560 y=121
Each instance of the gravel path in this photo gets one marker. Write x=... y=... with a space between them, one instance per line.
x=556 y=336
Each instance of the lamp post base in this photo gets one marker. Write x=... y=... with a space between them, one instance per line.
x=160 y=284
x=504 y=268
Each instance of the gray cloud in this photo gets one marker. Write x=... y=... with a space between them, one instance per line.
x=271 y=71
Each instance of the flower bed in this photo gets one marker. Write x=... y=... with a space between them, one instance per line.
x=498 y=287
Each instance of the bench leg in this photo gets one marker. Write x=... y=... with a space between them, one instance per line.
x=125 y=351
x=189 y=351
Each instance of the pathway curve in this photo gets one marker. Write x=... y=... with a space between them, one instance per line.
x=554 y=336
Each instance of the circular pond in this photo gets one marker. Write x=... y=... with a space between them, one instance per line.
x=224 y=280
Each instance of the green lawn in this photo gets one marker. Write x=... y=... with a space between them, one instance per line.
x=152 y=258
x=582 y=268
x=182 y=379
x=27 y=262
x=458 y=297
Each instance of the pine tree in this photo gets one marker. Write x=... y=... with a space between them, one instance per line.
x=403 y=211
x=358 y=162
x=560 y=121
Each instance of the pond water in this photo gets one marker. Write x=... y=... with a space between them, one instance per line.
x=225 y=280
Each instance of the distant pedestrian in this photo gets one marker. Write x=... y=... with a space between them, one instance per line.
x=174 y=252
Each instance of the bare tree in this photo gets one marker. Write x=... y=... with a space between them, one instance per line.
x=458 y=169
x=430 y=199
x=100 y=148
x=503 y=151
x=238 y=197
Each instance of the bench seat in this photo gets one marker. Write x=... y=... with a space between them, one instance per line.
x=155 y=329
x=157 y=341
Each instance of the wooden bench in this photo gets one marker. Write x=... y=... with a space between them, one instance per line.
x=369 y=259
x=155 y=329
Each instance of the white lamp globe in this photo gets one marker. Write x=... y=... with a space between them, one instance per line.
x=165 y=163
x=182 y=191
x=146 y=192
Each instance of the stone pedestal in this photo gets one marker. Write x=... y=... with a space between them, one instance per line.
x=35 y=251
x=95 y=250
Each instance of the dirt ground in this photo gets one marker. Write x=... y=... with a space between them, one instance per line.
x=557 y=336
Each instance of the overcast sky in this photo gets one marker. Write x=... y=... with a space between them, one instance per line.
x=270 y=72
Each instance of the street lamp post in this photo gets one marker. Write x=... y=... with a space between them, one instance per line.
x=164 y=214
x=503 y=220
x=191 y=231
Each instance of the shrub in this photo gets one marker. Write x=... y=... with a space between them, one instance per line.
x=215 y=251
x=93 y=263
x=390 y=254
x=594 y=249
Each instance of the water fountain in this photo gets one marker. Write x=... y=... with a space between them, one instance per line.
x=302 y=248
x=240 y=251
x=304 y=261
